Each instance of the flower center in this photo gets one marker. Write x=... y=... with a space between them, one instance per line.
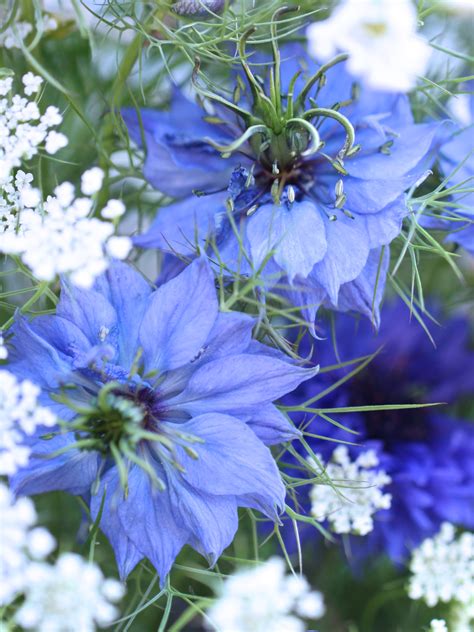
x=281 y=130
x=119 y=417
x=376 y=29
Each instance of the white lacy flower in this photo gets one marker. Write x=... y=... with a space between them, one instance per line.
x=91 y=181
x=32 y=83
x=113 y=209
x=23 y=130
x=3 y=349
x=20 y=414
x=443 y=568
x=15 y=34
x=355 y=494
x=55 y=141
x=67 y=241
x=70 y=596
x=57 y=236
x=265 y=599
x=380 y=36
x=21 y=540
x=438 y=625
x=5 y=86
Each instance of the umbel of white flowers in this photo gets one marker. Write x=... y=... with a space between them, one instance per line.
x=353 y=493
x=50 y=592
x=442 y=568
x=265 y=599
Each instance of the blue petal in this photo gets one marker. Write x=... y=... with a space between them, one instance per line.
x=231 y=334
x=73 y=472
x=245 y=465
x=237 y=383
x=211 y=521
x=148 y=521
x=126 y=553
x=179 y=318
x=370 y=196
x=128 y=292
x=296 y=234
x=464 y=238
x=178 y=158
x=347 y=253
x=308 y=295
x=111 y=311
x=31 y=357
x=410 y=146
x=64 y=335
x=455 y=151
x=271 y=426
x=89 y=310
x=365 y=293
x=384 y=226
x=184 y=226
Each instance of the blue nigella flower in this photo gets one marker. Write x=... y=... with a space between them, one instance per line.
x=457 y=164
x=315 y=173
x=426 y=451
x=168 y=404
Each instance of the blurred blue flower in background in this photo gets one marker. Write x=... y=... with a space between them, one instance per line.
x=315 y=174
x=457 y=165
x=167 y=410
x=427 y=452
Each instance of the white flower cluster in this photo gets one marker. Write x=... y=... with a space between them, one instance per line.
x=52 y=594
x=58 y=236
x=265 y=599
x=22 y=542
x=13 y=36
x=380 y=36
x=438 y=625
x=72 y=587
x=20 y=415
x=356 y=493
x=443 y=568
x=3 y=349
x=23 y=129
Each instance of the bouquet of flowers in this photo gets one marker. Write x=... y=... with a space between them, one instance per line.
x=236 y=315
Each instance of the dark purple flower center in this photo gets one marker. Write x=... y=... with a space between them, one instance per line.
x=121 y=414
x=147 y=400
